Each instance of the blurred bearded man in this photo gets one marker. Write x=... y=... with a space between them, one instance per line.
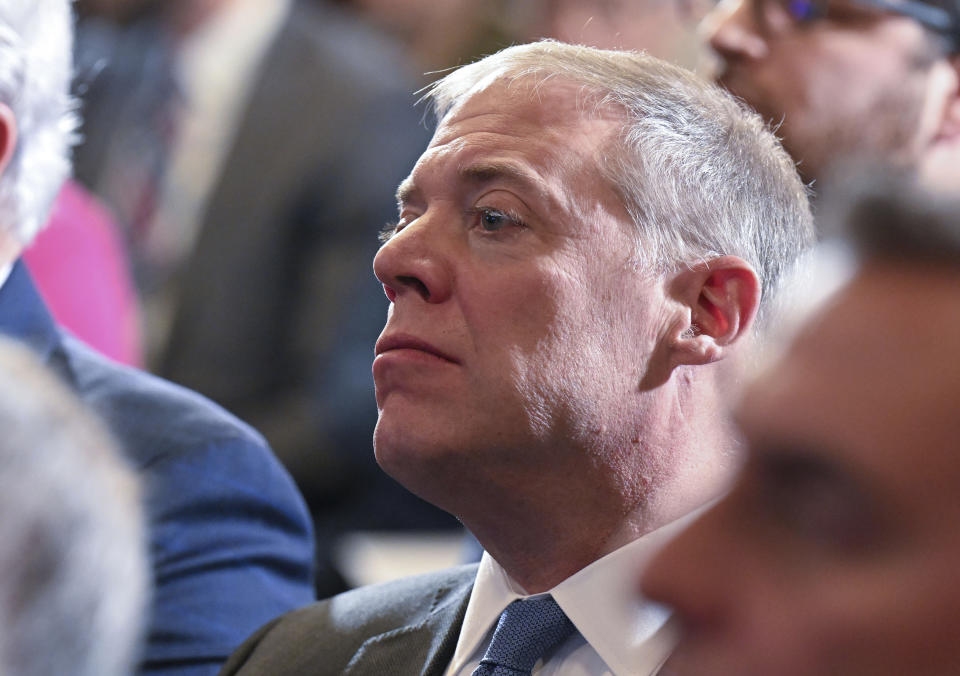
x=849 y=80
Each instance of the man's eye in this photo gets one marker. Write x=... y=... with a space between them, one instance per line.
x=494 y=220
x=388 y=231
x=816 y=502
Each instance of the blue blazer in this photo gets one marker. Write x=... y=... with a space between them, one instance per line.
x=230 y=538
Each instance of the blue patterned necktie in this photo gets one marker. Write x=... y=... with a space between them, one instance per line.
x=524 y=634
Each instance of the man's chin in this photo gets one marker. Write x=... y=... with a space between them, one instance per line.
x=424 y=468
x=404 y=448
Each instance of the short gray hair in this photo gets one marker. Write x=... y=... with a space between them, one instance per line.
x=35 y=70
x=699 y=173
x=72 y=548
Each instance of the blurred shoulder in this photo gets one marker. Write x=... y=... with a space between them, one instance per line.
x=152 y=417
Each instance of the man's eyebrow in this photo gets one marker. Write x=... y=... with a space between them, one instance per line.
x=481 y=173
x=406 y=190
x=799 y=461
x=487 y=172
x=795 y=458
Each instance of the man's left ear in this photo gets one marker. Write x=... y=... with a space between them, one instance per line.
x=8 y=135
x=939 y=126
x=950 y=88
x=721 y=297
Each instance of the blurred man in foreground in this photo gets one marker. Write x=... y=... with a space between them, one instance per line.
x=837 y=550
x=580 y=252
x=230 y=539
x=73 y=588
x=849 y=80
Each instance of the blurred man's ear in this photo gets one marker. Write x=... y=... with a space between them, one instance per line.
x=950 y=124
x=721 y=297
x=8 y=136
x=939 y=165
x=10 y=246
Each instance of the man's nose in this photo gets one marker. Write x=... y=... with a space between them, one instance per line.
x=411 y=264
x=685 y=574
x=732 y=32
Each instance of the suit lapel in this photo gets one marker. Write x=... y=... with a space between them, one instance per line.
x=423 y=647
x=24 y=315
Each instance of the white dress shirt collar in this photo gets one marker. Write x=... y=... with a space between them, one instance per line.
x=5 y=273
x=630 y=636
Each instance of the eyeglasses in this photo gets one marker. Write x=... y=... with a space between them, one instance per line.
x=935 y=18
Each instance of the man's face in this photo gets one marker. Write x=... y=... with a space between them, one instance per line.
x=518 y=328
x=837 y=550
x=854 y=84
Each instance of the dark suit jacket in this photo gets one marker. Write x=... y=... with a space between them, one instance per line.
x=400 y=628
x=230 y=539
x=278 y=309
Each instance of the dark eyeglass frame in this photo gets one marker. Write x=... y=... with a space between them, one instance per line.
x=934 y=18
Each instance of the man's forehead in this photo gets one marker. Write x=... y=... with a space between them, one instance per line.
x=906 y=310
x=536 y=137
x=873 y=369
x=527 y=106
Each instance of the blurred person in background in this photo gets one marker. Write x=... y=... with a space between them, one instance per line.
x=836 y=550
x=580 y=255
x=230 y=540
x=661 y=28
x=848 y=80
x=251 y=150
x=440 y=36
x=443 y=35
x=81 y=268
x=74 y=576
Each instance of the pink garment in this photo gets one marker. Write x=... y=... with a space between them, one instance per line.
x=82 y=272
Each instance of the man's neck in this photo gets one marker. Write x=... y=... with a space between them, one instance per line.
x=539 y=564
x=544 y=530
x=542 y=538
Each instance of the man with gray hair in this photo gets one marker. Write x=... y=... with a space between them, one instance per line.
x=230 y=540
x=580 y=251
x=74 y=588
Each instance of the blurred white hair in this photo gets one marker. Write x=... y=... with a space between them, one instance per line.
x=36 y=42
x=73 y=559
